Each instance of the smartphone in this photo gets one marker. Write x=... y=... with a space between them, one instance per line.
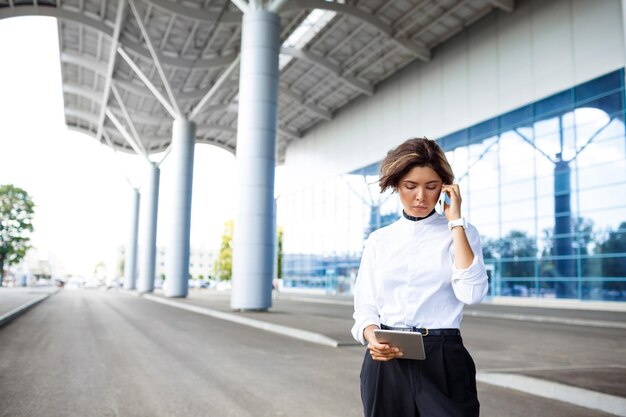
x=444 y=198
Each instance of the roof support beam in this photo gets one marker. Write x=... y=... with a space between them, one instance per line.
x=320 y=112
x=203 y=129
x=276 y=5
x=414 y=48
x=102 y=27
x=318 y=60
x=198 y=14
x=143 y=77
x=138 y=89
x=284 y=130
x=143 y=119
x=82 y=114
x=506 y=5
x=126 y=135
x=155 y=58
x=214 y=88
x=111 y=66
x=129 y=121
x=77 y=90
x=241 y=5
x=442 y=16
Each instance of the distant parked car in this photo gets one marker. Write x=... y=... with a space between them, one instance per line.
x=42 y=282
x=116 y=283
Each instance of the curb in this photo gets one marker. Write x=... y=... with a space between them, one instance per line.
x=7 y=317
x=559 y=303
x=556 y=391
x=304 y=335
x=547 y=319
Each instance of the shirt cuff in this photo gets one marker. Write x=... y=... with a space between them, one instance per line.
x=473 y=274
x=358 y=329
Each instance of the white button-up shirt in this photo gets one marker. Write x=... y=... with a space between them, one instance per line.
x=407 y=277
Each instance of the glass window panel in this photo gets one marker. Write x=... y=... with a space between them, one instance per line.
x=545 y=238
x=603 y=160
x=545 y=182
x=606 y=224
x=544 y=169
x=593 y=124
x=547 y=137
x=516 y=118
x=464 y=187
x=568 y=130
x=525 y=227
x=613 y=133
x=482 y=130
x=390 y=208
x=454 y=140
x=458 y=161
x=598 y=86
x=483 y=217
x=614 y=264
x=521 y=192
x=488 y=229
x=557 y=103
x=483 y=166
x=604 y=289
x=483 y=198
x=344 y=197
x=516 y=158
x=516 y=287
x=602 y=175
x=602 y=198
x=610 y=104
x=591 y=267
x=547 y=268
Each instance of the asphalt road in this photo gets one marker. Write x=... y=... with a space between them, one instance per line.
x=98 y=353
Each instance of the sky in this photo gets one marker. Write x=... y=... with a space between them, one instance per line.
x=81 y=188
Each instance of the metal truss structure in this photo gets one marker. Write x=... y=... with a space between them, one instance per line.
x=130 y=67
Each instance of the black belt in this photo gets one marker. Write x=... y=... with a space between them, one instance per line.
x=425 y=331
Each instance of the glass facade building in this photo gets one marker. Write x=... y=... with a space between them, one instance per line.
x=544 y=184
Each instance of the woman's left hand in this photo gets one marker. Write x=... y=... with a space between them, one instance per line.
x=452 y=211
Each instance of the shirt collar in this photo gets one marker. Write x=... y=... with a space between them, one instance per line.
x=417 y=219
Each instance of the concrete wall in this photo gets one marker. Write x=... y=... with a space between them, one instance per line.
x=502 y=62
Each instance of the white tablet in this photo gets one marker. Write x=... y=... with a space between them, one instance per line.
x=410 y=344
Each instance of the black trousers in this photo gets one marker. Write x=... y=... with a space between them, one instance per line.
x=442 y=385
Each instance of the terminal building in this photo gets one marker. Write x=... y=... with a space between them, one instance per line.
x=525 y=96
x=529 y=107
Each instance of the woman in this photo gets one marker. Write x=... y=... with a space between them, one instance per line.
x=416 y=274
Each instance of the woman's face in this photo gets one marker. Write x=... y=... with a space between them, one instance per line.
x=419 y=191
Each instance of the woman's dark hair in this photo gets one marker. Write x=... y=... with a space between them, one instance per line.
x=413 y=153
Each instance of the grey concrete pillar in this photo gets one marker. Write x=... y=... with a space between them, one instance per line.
x=624 y=27
x=253 y=241
x=130 y=263
x=177 y=275
x=149 y=212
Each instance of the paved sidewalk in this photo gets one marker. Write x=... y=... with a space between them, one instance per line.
x=15 y=301
x=564 y=371
x=331 y=316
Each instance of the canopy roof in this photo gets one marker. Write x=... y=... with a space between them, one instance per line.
x=112 y=75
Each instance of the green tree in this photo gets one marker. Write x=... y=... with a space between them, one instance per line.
x=279 y=267
x=16 y=223
x=514 y=256
x=584 y=241
x=615 y=266
x=224 y=264
x=516 y=251
x=100 y=271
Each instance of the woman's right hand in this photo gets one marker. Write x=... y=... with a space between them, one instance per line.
x=379 y=351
